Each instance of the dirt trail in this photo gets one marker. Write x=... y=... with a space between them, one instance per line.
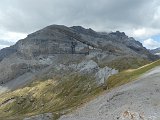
x=138 y=100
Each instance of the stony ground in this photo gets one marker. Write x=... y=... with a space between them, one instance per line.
x=138 y=100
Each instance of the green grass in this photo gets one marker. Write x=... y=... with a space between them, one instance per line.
x=125 y=63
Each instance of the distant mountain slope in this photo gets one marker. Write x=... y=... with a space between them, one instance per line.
x=156 y=51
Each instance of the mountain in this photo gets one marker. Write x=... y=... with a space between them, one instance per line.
x=156 y=51
x=58 y=44
x=57 y=67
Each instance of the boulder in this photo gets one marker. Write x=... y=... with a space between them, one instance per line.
x=104 y=73
x=88 y=67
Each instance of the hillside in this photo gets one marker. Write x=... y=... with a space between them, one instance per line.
x=137 y=100
x=63 y=96
x=59 y=68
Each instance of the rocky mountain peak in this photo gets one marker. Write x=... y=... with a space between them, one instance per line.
x=81 y=30
x=118 y=33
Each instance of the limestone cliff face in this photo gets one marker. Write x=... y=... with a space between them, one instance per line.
x=50 y=40
x=57 y=44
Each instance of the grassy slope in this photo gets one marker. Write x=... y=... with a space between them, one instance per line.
x=125 y=63
x=60 y=96
x=56 y=96
x=129 y=75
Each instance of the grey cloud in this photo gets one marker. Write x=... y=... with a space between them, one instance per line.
x=30 y=15
x=6 y=43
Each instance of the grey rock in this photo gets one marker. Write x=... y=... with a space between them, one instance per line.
x=87 y=67
x=46 y=116
x=103 y=74
x=90 y=68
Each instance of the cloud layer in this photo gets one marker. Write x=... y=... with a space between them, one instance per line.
x=151 y=44
x=138 y=18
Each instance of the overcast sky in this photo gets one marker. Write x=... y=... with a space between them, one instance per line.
x=137 y=18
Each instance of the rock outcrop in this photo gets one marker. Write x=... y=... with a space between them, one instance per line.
x=103 y=74
x=90 y=68
x=130 y=115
